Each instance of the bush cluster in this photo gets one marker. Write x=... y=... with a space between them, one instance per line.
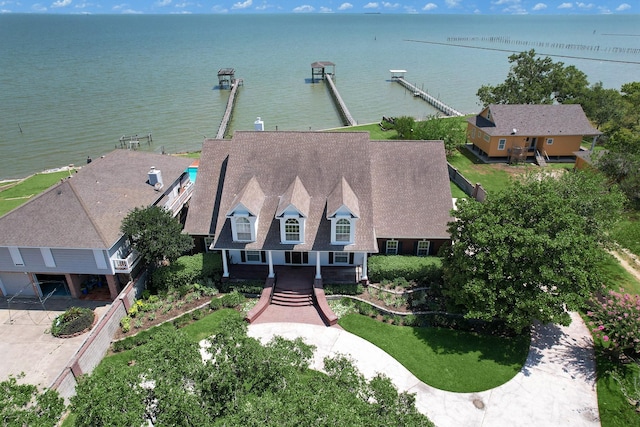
x=343 y=289
x=72 y=321
x=230 y=300
x=615 y=321
x=187 y=270
x=253 y=287
x=424 y=271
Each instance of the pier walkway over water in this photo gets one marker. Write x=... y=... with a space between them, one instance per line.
x=226 y=118
x=340 y=105
x=398 y=75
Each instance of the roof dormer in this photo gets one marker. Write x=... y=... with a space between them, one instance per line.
x=343 y=210
x=292 y=212
x=245 y=211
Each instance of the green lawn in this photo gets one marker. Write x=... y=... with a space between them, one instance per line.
x=616 y=277
x=627 y=232
x=615 y=410
x=20 y=193
x=446 y=359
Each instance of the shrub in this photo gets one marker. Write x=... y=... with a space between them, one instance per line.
x=197 y=314
x=215 y=304
x=187 y=270
x=425 y=271
x=615 y=321
x=253 y=287
x=72 y=321
x=233 y=299
x=125 y=324
x=343 y=289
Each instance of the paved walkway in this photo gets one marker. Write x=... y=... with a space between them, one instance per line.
x=26 y=345
x=556 y=386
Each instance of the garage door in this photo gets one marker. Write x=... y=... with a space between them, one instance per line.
x=16 y=283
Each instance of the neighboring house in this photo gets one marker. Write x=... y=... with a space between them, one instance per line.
x=503 y=131
x=319 y=199
x=587 y=159
x=68 y=238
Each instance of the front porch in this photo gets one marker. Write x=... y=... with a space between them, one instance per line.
x=330 y=274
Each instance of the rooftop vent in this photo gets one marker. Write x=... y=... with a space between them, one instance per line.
x=155 y=178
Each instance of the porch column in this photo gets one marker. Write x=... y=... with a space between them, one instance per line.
x=593 y=143
x=270 y=258
x=114 y=289
x=225 y=267
x=364 y=277
x=318 y=274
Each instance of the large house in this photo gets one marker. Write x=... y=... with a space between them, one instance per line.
x=67 y=240
x=319 y=199
x=504 y=131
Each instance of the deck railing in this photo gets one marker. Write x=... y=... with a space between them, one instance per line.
x=126 y=265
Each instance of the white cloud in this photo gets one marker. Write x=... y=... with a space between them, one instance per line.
x=623 y=7
x=565 y=6
x=132 y=12
x=305 y=8
x=371 y=5
x=324 y=9
x=452 y=3
x=388 y=5
x=430 y=6
x=584 y=5
x=61 y=3
x=242 y=5
x=163 y=3
x=345 y=6
x=539 y=6
x=39 y=8
x=219 y=9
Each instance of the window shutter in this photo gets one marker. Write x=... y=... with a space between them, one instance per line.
x=243 y=256
x=287 y=257
x=263 y=256
x=415 y=247
x=399 y=248
x=351 y=258
x=305 y=257
x=330 y=257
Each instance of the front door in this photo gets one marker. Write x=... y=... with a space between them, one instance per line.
x=533 y=143
x=296 y=258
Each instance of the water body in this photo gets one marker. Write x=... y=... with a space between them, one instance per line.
x=71 y=85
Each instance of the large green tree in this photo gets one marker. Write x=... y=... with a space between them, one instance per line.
x=23 y=405
x=451 y=130
x=535 y=80
x=529 y=251
x=242 y=384
x=155 y=234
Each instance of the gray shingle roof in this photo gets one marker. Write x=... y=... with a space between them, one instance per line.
x=536 y=120
x=402 y=187
x=86 y=210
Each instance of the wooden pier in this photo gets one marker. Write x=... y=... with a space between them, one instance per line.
x=132 y=142
x=347 y=118
x=398 y=76
x=226 y=118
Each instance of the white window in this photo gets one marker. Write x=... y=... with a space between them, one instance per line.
x=243 y=229
x=292 y=230
x=392 y=247
x=423 y=248
x=253 y=256
x=341 y=257
x=473 y=133
x=343 y=230
x=549 y=141
x=486 y=137
x=501 y=144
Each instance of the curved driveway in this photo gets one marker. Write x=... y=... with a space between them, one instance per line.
x=556 y=386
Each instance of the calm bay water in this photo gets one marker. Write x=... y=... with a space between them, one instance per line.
x=70 y=86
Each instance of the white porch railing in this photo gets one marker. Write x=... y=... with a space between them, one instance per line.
x=127 y=264
x=176 y=205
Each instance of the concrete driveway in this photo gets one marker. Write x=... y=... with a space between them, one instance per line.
x=26 y=344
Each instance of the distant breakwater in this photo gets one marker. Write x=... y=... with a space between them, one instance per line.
x=540 y=44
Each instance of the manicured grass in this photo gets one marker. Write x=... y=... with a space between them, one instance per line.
x=627 y=232
x=615 y=276
x=443 y=358
x=20 y=193
x=615 y=410
x=190 y=155
x=456 y=192
x=375 y=133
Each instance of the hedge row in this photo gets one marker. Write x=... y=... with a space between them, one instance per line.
x=424 y=271
x=187 y=270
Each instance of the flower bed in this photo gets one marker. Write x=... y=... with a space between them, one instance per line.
x=73 y=322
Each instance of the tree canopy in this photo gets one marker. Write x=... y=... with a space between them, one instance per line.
x=529 y=251
x=242 y=383
x=451 y=130
x=23 y=405
x=155 y=234
x=535 y=80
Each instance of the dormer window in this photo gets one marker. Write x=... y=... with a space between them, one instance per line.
x=343 y=230
x=292 y=230
x=243 y=228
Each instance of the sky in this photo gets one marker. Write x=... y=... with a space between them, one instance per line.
x=488 y=7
